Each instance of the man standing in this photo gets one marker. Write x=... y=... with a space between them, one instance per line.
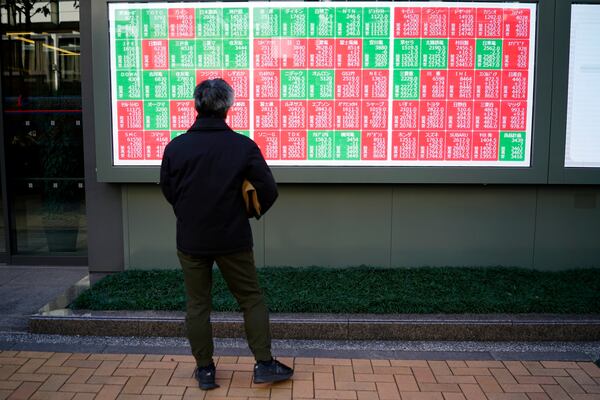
x=201 y=177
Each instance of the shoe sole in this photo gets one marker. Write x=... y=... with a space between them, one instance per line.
x=274 y=379
x=208 y=386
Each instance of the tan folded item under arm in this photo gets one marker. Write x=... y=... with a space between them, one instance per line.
x=250 y=199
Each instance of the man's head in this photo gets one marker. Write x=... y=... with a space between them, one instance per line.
x=213 y=98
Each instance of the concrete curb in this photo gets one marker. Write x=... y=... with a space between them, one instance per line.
x=463 y=327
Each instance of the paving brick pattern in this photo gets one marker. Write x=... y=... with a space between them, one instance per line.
x=75 y=376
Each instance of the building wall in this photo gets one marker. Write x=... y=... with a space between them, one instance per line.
x=541 y=227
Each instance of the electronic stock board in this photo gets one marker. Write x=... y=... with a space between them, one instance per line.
x=331 y=84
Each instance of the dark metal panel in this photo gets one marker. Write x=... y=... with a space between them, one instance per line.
x=567 y=227
x=562 y=38
x=4 y=184
x=330 y=225
x=452 y=225
x=537 y=173
x=103 y=201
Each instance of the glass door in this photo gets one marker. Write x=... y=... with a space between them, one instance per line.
x=43 y=138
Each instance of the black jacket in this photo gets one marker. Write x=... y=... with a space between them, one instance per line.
x=201 y=176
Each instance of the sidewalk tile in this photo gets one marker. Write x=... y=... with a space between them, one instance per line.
x=180 y=359
x=333 y=361
x=407 y=363
x=160 y=377
x=455 y=379
x=590 y=368
x=356 y=386
x=421 y=396
x=241 y=379
x=505 y=375
x=569 y=385
x=392 y=370
x=581 y=376
x=194 y=393
x=41 y=395
x=24 y=391
x=82 y=363
x=134 y=397
x=107 y=357
x=381 y=363
x=556 y=392
x=406 y=383
x=388 y=391
x=516 y=368
x=29 y=377
x=108 y=380
x=538 y=396
x=59 y=370
x=152 y=357
x=453 y=396
x=131 y=361
x=548 y=380
x=107 y=367
x=472 y=391
x=439 y=387
x=342 y=373
x=12 y=360
x=176 y=390
x=80 y=387
x=591 y=388
x=57 y=359
x=135 y=385
x=367 y=395
x=362 y=366
x=521 y=388
x=374 y=378
x=248 y=392
x=88 y=396
x=158 y=364
x=34 y=354
x=79 y=356
x=439 y=368
x=337 y=394
x=313 y=368
x=53 y=383
x=31 y=365
x=304 y=361
x=303 y=389
x=281 y=394
x=488 y=384
x=423 y=375
x=81 y=375
x=324 y=380
x=507 y=396
x=559 y=364
x=109 y=392
x=470 y=371
x=485 y=364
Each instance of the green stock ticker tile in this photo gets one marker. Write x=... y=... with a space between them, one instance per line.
x=294 y=22
x=129 y=85
x=321 y=84
x=127 y=24
x=209 y=53
x=156 y=85
x=321 y=22
x=407 y=53
x=209 y=23
x=434 y=53
x=293 y=84
x=488 y=54
x=267 y=22
x=320 y=145
x=182 y=84
x=348 y=22
x=236 y=23
x=155 y=23
x=182 y=54
x=347 y=145
x=376 y=53
x=236 y=54
x=406 y=84
x=156 y=115
x=512 y=146
x=376 y=22
x=128 y=54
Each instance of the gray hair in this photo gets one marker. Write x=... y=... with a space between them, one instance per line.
x=213 y=98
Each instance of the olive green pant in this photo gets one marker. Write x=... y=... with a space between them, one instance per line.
x=239 y=272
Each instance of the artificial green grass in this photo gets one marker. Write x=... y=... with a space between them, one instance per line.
x=366 y=290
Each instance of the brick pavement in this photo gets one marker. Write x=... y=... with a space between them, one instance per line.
x=75 y=376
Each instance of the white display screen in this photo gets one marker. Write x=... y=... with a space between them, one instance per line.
x=582 y=148
x=331 y=84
